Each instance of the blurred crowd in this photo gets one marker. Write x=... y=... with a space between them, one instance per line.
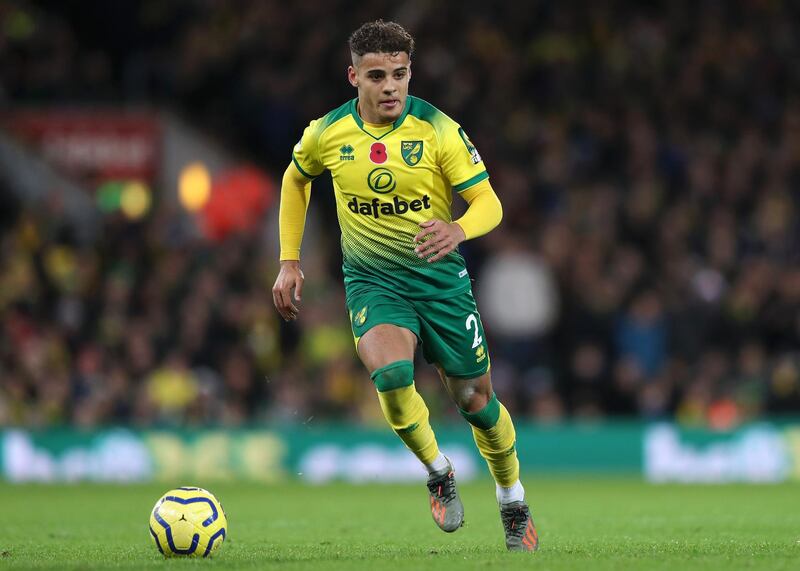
x=648 y=264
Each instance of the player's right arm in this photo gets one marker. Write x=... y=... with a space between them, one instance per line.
x=295 y=195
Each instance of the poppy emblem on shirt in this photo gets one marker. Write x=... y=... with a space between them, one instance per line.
x=377 y=153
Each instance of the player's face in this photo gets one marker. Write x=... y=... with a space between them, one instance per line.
x=382 y=82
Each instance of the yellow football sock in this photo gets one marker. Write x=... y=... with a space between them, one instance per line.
x=405 y=410
x=494 y=434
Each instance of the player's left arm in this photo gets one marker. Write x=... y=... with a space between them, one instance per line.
x=483 y=214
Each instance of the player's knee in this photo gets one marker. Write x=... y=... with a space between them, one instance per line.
x=473 y=401
x=470 y=395
x=393 y=376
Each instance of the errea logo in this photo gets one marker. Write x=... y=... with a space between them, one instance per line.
x=347 y=153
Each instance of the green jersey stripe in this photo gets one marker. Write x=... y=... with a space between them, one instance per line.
x=302 y=172
x=471 y=181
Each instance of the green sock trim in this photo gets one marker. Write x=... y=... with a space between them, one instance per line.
x=485 y=418
x=393 y=376
x=407 y=429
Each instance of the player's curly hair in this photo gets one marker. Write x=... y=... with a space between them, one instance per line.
x=381 y=38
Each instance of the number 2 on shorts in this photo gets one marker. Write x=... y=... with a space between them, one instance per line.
x=473 y=321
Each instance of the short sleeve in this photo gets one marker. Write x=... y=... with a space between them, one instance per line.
x=306 y=152
x=460 y=161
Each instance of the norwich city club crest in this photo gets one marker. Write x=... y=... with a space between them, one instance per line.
x=361 y=316
x=411 y=152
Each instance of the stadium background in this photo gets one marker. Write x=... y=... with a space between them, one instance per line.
x=641 y=297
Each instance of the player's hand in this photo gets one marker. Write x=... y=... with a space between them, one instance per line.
x=290 y=277
x=437 y=239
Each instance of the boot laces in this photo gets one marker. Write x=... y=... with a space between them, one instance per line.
x=514 y=521
x=443 y=487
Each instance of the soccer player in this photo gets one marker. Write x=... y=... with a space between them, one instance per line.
x=395 y=161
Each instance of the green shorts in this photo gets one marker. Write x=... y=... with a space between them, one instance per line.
x=449 y=330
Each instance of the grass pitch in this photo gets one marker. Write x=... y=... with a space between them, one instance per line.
x=597 y=524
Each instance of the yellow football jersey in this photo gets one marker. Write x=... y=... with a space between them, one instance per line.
x=387 y=180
